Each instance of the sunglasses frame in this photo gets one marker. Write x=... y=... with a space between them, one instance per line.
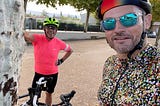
x=119 y=19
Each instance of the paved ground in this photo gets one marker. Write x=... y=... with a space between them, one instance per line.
x=81 y=72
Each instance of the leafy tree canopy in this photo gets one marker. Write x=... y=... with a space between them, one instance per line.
x=89 y=5
x=155 y=9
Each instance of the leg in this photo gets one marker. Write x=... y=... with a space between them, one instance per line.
x=50 y=88
x=48 y=99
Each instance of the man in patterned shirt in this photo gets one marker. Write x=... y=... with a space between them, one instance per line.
x=132 y=76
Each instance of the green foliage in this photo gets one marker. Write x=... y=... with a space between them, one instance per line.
x=47 y=2
x=156 y=14
x=155 y=9
x=89 y=5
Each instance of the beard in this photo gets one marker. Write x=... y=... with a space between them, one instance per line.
x=124 y=49
x=122 y=42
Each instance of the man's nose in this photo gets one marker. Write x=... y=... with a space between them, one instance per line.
x=118 y=25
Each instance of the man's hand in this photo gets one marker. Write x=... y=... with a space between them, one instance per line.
x=59 y=62
x=27 y=36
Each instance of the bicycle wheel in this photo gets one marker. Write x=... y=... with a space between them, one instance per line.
x=67 y=104
x=62 y=104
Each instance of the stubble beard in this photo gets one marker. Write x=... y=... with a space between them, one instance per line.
x=124 y=48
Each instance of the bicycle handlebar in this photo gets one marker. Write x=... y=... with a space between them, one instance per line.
x=19 y=97
x=67 y=97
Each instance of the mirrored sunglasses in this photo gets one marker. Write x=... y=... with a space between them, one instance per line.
x=127 y=20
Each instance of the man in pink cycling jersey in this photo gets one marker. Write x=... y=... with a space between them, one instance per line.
x=46 y=49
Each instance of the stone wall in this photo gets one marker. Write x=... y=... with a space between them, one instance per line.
x=11 y=49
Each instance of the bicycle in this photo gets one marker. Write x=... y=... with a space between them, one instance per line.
x=35 y=93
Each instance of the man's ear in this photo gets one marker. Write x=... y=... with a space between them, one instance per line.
x=148 y=19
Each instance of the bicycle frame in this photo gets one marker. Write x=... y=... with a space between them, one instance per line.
x=38 y=90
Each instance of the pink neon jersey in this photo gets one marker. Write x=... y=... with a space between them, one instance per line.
x=46 y=53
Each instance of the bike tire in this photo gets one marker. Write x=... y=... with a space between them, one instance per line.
x=61 y=105
x=42 y=104
x=39 y=104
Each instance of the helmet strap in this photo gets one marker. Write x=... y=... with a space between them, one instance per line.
x=138 y=46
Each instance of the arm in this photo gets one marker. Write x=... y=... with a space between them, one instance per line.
x=66 y=55
x=28 y=37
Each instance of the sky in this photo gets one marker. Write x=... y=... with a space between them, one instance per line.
x=66 y=10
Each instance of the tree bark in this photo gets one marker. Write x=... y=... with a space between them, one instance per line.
x=87 y=20
x=158 y=39
x=11 y=49
x=25 y=5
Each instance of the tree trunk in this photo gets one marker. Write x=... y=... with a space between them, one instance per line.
x=87 y=20
x=11 y=49
x=25 y=5
x=158 y=39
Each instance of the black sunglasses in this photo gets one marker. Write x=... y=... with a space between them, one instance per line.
x=51 y=27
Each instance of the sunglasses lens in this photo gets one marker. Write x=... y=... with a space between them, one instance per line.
x=109 y=24
x=51 y=27
x=128 y=20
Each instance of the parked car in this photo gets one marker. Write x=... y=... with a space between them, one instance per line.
x=151 y=34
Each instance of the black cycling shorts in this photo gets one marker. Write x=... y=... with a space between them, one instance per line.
x=50 y=84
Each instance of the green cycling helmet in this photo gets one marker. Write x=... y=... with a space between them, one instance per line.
x=51 y=21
